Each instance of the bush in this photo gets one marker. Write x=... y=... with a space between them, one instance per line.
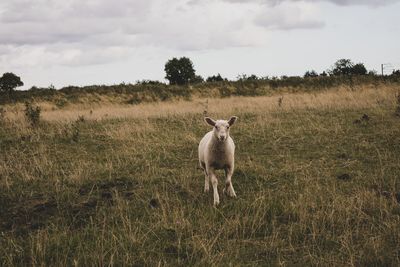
x=153 y=91
x=197 y=79
x=310 y=74
x=359 y=69
x=245 y=77
x=226 y=91
x=149 y=82
x=76 y=129
x=2 y=114
x=32 y=114
x=215 y=78
x=396 y=73
x=397 y=112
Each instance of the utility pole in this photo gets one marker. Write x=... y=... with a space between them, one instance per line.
x=382 y=68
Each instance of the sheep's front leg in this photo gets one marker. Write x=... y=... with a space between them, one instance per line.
x=214 y=182
x=228 y=182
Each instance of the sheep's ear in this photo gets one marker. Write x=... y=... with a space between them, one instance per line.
x=210 y=121
x=232 y=120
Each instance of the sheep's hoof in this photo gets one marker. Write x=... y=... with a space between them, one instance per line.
x=216 y=201
x=229 y=192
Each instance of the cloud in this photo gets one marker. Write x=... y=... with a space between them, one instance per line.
x=33 y=56
x=337 y=2
x=73 y=32
x=134 y=22
x=359 y=2
x=289 y=16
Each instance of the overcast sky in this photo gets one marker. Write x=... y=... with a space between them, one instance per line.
x=72 y=42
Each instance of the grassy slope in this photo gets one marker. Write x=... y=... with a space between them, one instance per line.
x=128 y=191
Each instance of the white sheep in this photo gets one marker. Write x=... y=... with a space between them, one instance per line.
x=217 y=152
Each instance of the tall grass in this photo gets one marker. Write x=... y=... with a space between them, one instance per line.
x=313 y=186
x=336 y=99
x=148 y=91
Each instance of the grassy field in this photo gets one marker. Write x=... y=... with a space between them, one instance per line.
x=317 y=179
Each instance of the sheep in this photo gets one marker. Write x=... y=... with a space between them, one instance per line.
x=217 y=152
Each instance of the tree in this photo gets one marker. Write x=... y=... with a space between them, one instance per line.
x=215 y=78
x=346 y=67
x=359 y=69
x=310 y=74
x=342 y=67
x=396 y=73
x=9 y=81
x=252 y=77
x=179 y=71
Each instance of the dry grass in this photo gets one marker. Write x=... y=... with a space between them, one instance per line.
x=337 y=99
x=316 y=184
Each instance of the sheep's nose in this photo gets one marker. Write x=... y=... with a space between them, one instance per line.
x=222 y=137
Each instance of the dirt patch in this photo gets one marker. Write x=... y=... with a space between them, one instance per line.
x=344 y=177
x=100 y=193
x=30 y=214
x=395 y=196
x=154 y=203
x=363 y=120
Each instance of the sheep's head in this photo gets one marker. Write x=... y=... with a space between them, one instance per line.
x=221 y=127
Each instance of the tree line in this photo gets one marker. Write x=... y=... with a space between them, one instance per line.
x=181 y=71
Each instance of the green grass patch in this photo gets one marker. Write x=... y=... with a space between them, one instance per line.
x=315 y=187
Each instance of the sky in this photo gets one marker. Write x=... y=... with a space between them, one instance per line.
x=85 y=42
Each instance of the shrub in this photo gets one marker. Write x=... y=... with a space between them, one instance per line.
x=245 y=77
x=280 y=101
x=2 y=114
x=149 y=82
x=197 y=79
x=32 y=114
x=60 y=103
x=226 y=91
x=397 y=112
x=215 y=78
x=359 y=69
x=310 y=74
x=76 y=129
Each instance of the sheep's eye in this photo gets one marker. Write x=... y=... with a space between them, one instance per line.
x=216 y=127
x=227 y=127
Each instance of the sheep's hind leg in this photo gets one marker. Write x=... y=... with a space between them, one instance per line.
x=228 y=183
x=206 y=182
x=206 y=178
